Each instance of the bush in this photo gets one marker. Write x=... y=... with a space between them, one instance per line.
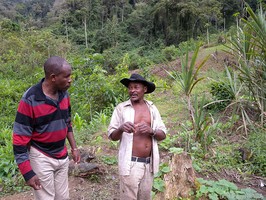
x=223 y=189
x=10 y=93
x=222 y=94
x=170 y=53
x=256 y=144
x=10 y=178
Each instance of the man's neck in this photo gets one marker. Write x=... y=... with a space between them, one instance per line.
x=138 y=102
x=49 y=91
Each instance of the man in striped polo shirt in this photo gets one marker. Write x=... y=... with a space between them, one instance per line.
x=42 y=124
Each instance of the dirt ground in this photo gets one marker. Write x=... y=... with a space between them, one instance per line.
x=105 y=185
x=100 y=184
x=80 y=189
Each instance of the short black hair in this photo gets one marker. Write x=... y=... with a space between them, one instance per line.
x=53 y=65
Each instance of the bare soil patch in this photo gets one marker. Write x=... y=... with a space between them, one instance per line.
x=101 y=184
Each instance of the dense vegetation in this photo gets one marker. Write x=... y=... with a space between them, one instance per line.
x=103 y=40
x=114 y=28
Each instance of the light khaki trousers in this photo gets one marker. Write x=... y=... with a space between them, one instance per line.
x=137 y=185
x=53 y=175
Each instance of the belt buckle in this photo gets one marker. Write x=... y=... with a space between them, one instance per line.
x=147 y=161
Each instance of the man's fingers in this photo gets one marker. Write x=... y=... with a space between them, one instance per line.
x=38 y=185
x=34 y=182
x=76 y=159
x=129 y=127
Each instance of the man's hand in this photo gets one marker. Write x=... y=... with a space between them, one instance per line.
x=127 y=127
x=34 y=182
x=76 y=155
x=143 y=128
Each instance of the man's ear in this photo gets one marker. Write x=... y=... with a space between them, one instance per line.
x=145 y=89
x=52 y=76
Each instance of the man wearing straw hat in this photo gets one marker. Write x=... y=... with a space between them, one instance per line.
x=137 y=124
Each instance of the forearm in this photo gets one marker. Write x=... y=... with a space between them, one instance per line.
x=74 y=149
x=21 y=154
x=71 y=140
x=159 y=135
x=22 y=159
x=116 y=134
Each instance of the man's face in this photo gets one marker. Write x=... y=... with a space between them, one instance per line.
x=136 y=91
x=63 y=79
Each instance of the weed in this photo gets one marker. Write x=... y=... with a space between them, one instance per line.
x=222 y=94
x=158 y=182
x=78 y=122
x=109 y=160
x=168 y=142
x=94 y=178
x=223 y=189
x=170 y=53
x=10 y=178
x=257 y=144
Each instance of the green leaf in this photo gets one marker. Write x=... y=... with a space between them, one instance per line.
x=166 y=169
x=176 y=150
x=213 y=196
x=158 y=184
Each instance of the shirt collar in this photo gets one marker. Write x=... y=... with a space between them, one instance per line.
x=128 y=103
x=40 y=96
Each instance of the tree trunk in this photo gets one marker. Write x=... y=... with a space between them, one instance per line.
x=85 y=29
x=66 y=28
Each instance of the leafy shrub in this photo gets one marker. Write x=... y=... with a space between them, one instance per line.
x=9 y=26
x=99 y=90
x=112 y=57
x=170 y=53
x=78 y=122
x=10 y=93
x=10 y=178
x=222 y=94
x=158 y=183
x=257 y=144
x=85 y=130
x=138 y=62
x=169 y=142
x=22 y=53
x=109 y=160
x=223 y=189
x=189 y=45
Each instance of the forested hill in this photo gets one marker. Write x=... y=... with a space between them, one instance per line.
x=104 y=24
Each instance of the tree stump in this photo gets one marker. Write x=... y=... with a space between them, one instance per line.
x=180 y=181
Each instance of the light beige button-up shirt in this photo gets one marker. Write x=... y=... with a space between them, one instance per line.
x=124 y=112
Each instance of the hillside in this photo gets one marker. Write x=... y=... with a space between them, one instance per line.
x=215 y=114
x=104 y=183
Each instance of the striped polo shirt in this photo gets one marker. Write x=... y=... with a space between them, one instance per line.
x=42 y=123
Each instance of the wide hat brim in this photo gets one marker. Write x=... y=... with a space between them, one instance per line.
x=138 y=78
